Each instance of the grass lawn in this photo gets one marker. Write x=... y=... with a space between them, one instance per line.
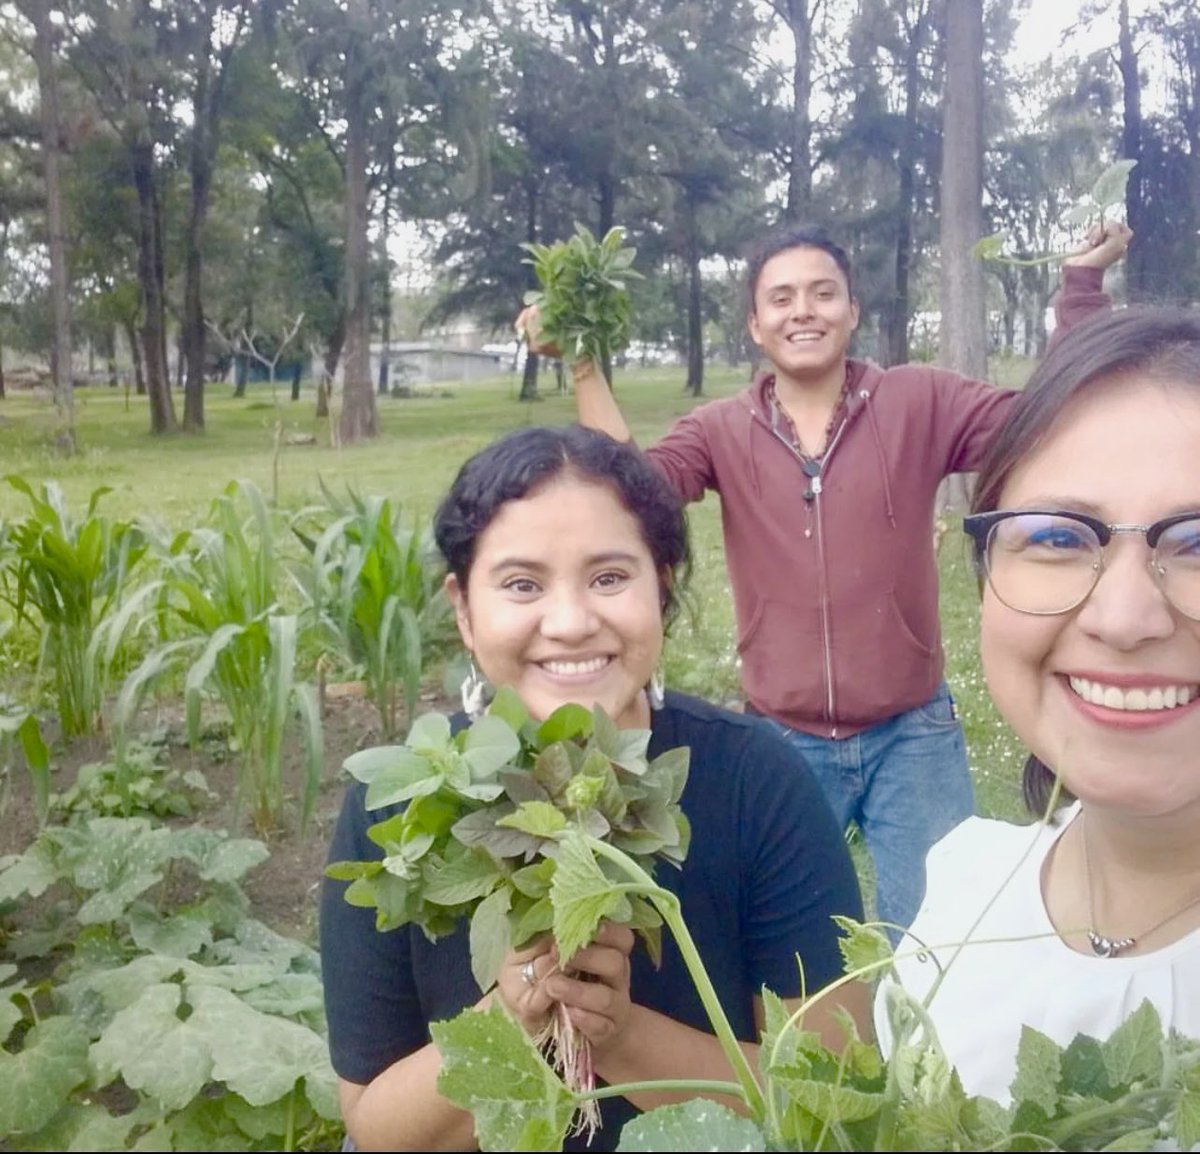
x=423 y=441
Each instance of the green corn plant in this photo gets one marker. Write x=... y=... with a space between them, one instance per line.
x=373 y=588
x=69 y=579
x=19 y=728
x=234 y=643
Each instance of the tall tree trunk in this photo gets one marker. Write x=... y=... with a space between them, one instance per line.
x=695 y=319
x=194 y=335
x=897 y=314
x=385 y=260
x=359 y=418
x=60 y=355
x=529 y=377
x=153 y=329
x=799 y=192
x=135 y=355
x=207 y=109
x=110 y=355
x=963 y=340
x=1136 y=272
x=333 y=354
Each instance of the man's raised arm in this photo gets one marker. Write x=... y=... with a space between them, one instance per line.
x=594 y=401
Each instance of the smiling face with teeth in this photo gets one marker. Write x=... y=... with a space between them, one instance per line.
x=803 y=317
x=1108 y=693
x=563 y=602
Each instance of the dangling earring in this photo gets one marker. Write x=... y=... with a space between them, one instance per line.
x=474 y=692
x=655 y=691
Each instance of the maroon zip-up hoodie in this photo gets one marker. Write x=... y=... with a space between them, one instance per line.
x=836 y=595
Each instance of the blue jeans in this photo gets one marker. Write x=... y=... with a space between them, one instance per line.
x=904 y=782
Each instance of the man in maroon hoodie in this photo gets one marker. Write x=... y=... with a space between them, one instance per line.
x=828 y=469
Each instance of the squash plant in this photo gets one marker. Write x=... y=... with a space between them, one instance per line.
x=1106 y=193
x=171 y=1019
x=1129 y=1092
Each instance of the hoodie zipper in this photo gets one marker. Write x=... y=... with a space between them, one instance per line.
x=826 y=648
x=815 y=503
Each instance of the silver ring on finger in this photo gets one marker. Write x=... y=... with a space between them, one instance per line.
x=529 y=974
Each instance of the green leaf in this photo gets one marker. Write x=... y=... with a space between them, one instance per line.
x=490 y=743
x=1133 y=1051
x=626 y=747
x=667 y=774
x=581 y=895
x=1143 y=1139
x=489 y=937
x=1079 y=214
x=1185 y=1124
x=1039 y=1067
x=481 y=829
x=491 y=1068
x=393 y=774
x=567 y=723
x=1109 y=189
x=829 y=1100
x=430 y=733
x=553 y=770
x=32 y=873
x=539 y=818
x=35 y=1082
x=696 y=1125
x=256 y=1055
x=468 y=875
x=153 y=1050
x=508 y=707
x=865 y=948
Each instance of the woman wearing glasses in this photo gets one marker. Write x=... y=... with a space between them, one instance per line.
x=1086 y=527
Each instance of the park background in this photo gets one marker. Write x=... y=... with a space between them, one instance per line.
x=259 y=269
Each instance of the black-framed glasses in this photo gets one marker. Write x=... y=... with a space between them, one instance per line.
x=1049 y=561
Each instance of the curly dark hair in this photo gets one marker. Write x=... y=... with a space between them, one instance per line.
x=516 y=464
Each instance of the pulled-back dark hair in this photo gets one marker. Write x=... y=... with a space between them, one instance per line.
x=516 y=464
x=784 y=239
x=1155 y=342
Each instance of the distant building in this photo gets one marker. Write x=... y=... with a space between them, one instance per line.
x=415 y=363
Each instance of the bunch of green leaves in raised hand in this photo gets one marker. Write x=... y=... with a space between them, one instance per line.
x=583 y=302
x=482 y=812
x=1108 y=192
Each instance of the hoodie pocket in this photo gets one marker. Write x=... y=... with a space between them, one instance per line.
x=783 y=666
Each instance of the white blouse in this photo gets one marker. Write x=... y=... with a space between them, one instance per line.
x=1031 y=977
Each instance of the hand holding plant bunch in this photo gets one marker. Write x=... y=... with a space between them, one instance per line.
x=581 y=311
x=1106 y=240
x=514 y=827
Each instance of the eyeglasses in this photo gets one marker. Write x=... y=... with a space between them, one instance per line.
x=1049 y=562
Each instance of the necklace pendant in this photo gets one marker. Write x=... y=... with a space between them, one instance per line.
x=1108 y=947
